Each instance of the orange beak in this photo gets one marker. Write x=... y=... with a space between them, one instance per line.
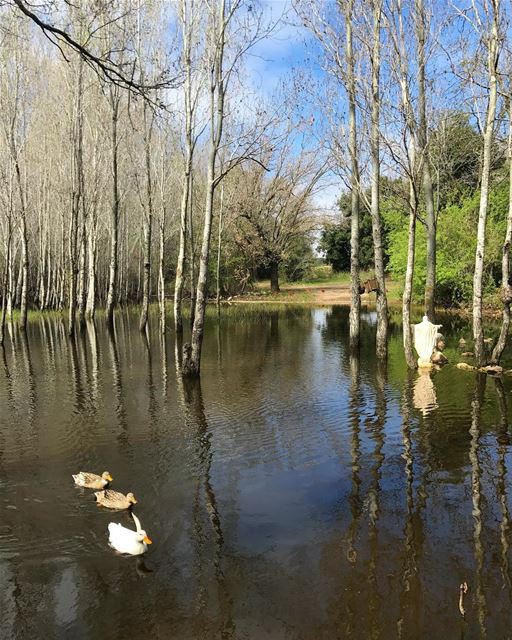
x=109 y=478
x=134 y=501
x=148 y=540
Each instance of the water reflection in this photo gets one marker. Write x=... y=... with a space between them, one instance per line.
x=408 y=624
x=503 y=442
x=476 y=492
x=209 y=541
x=298 y=491
x=117 y=380
x=425 y=399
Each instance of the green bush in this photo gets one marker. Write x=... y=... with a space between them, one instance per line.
x=456 y=246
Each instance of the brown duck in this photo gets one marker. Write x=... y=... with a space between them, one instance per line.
x=114 y=499
x=92 y=480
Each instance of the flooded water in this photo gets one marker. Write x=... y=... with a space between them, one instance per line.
x=295 y=493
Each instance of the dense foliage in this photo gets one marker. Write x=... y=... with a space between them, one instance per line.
x=455 y=153
x=334 y=243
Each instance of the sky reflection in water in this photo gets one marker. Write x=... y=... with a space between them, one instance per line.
x=297 y=492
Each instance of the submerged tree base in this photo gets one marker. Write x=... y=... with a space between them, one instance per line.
x=189 y=368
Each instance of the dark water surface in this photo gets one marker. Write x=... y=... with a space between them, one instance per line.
x=296 y=493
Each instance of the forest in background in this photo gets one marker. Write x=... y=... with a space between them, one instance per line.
x=140 y=159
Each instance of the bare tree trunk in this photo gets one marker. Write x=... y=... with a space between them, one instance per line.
x=161 y=276
x=506 y=289
x=191 y=257
x=24 y=267
x=90 y=309
x=5 y=288
x=493 y=55
x=382 y=307
x=19 y=283
x=114 y=230
x=77 y=195
x=82 y=269
x=192 y=356
x=192 y=360
x=92 y=238
x=187 y=22
x=148 y=224
x=219 y=242
x=430 y=217
x=10 y=278
x=274 y=276
x=180 y=267
x=355 y=297
x=409 y=276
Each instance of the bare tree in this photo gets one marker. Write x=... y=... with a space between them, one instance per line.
x=382 y=307
x=189 y=15
x=422 y=28
x=333 y=25
x=355 y=297
x=489 y=31
x=243 y=34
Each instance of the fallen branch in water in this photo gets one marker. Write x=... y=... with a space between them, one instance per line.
x=463 y=589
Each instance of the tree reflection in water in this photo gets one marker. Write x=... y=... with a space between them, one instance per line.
x=297 y=486
x=205 y=503
x=476 y=493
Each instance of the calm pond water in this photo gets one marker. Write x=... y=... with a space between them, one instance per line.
x=296 y=493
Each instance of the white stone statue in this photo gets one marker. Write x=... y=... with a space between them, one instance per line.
x=425 y=340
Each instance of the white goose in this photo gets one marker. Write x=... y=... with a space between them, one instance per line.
x=128 y=541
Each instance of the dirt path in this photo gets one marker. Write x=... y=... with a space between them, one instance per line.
x=309 y=294
x=322 y=294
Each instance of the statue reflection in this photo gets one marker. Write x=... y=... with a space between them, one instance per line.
x=424 y=397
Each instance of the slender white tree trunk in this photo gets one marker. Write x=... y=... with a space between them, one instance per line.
x=192 y=356
x=506 y=289
x=428 y=191
x=492 y=66
x=355 y=295
x=114 y=223
x=382 y=307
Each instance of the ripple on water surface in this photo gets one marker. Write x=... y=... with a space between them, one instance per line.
x=296 y=492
